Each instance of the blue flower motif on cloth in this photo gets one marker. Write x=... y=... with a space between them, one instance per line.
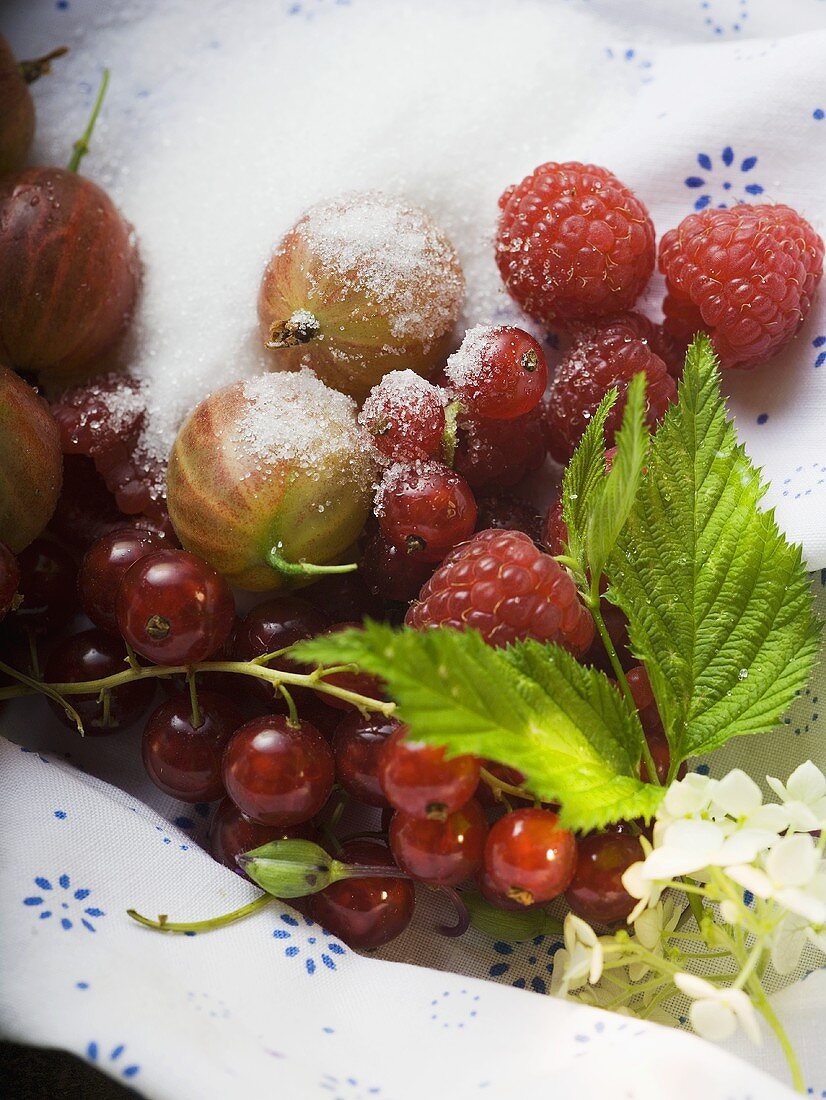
x=725 y=182
x=526 y=971
x=64 y=902
x=310 y=8
x=819 y=344
x=347 y=1088
x=612 y=1028
x=806 y=726
x=318 y=949
x=454 y=1008
x=209 y=1005
x=630 y=58
x=724 y=16
x=815 y=475
x=113 y=1062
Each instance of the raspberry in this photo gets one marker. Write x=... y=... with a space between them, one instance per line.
x=745 y=275
x=103 y=419
x=500 y=584
x=555 y=533
x=500 y=452
x=574 y=244
x=601 y=358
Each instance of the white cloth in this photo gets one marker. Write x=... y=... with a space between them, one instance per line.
x=728 y=92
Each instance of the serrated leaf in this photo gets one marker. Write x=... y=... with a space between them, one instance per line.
x=583 y=474
x=718 y=602
x=563 y=725
x=510 y=925
x=613 y=497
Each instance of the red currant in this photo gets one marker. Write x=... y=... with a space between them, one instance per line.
x=493 y=896
x=443 y=853
x=640 y=687
x=174 y=609
x=529 y=857
x=365 y=912
x=358 y=745
x=596 y=892
x=85 y=509
x=274 y=625
x=419 y=779
x=47 y=585
x=9 y=578
x=231 y=834
x=102 y=570
x=500 y=452
x=278 y=773
x=343 y=598
x=93 y=655
x=498 y=373
x=182 y=759
x=392 y=573
x=425 y=509
x=405 y=417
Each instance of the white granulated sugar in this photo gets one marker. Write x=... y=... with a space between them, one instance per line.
x=395 y=254
x=225 y=122
x=470 y=365
x=400 y=389
x=296 y=418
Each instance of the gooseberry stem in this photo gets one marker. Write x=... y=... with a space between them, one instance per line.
x=304 y=568
x=33 y=68
x=81 y=146
x=162 y=924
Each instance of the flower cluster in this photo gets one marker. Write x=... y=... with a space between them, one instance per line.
x=728 y=885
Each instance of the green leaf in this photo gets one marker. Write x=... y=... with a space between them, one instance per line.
x=583 y=474
x=533 y=707
x=510 y=925
x=718 y=602
x=613 y=497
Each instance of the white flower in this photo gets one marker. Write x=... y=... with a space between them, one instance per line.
x=788 y=877
x=580 y=960
x=650 y=928
x=691 y=845
x=687 y=797
x=787 y=942
x=738 y=797
x=803 y=797
x=716 y=1013
x=647 y=892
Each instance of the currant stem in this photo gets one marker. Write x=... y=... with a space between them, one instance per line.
x=304 y=568
x=33 y=68
x=162 y=924
x=291 y=707
x=498 y=786
x=197 y=717
x=37 y=687
x=81 y=146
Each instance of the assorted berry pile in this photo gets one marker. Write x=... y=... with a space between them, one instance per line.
x=117 y=570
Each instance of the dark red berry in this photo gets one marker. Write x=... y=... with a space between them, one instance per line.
x=745 y=274
x=102 y=570
x=358 y=744
x=420 y=780
x=443 y=853
x=596 y=892
x=47 y=586
x=498 y=373
x=640 y=686
x=506 y=512
x=174 y=609
x=9 y=579
x=86 y=510
x=343 y=598
x=500 y=584
x=392 y=573
x=600 y=358
x=277 y=773
x=231 y=834
x=494 y=896
x=500 y=453
x=405 y=417
x=93 y=655
x=365 y=912
x=182 y=759
x=274 y=625
x=425 y=509
x=573 y=243
x=485 y=793
x=529 y=857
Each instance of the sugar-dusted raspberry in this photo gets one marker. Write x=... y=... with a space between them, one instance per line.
x=600 y=358
x=745 y=275
x=405 y=417
x=103 y=419
x=500 y=584
x=574 y=244
x=498 y=373
x=500 y=452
